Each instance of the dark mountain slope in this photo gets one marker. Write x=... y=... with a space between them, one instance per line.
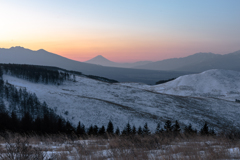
x=21 y=55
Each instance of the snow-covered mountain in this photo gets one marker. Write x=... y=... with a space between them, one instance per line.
x=95 y=102
x=224 y=84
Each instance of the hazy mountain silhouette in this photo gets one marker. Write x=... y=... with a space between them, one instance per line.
x=20 y=55
x=197 y=63
x=100 y=60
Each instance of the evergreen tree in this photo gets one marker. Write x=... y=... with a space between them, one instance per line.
x=158 y=129
x=140 y=131
x=79 y=128
x=124 y=132
x=37 y=126
x=146 y=130
x=204 y=129
x=176 y=128
x=102 y=130
x=90 y=130
x=69 y=128
x=14 y=122
x=134 y=130
x=128 y=129
x=110 y=128
x=26 y=122
x=168 y=126
x=117 y=132
x=82 y=131
x=95 y=130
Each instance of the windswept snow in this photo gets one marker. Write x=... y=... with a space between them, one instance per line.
x=95 y=102
x=224 y=84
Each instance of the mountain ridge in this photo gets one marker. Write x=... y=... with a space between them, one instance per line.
x=20 y=55
x=101 y=60
x=197 y=62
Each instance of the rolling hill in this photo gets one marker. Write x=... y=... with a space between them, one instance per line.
x=95 y=102
x=216 y=83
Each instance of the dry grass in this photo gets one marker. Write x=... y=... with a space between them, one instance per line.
x=151 y=147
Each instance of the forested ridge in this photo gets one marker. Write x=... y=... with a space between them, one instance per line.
x=21 y=111
x=36 y=74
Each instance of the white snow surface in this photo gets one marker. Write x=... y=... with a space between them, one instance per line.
x=223 y=84
x=95 y=102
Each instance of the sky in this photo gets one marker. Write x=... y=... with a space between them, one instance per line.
x=121 y=30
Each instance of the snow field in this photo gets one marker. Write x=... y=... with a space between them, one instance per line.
x=94 y=102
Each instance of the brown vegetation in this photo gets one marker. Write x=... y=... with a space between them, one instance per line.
x=157 y=146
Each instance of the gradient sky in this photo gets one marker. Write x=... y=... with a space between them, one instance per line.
x=121 y=30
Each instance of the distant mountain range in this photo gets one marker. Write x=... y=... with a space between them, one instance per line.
x=100 y=60
x=194 y=63
x=20 y=55
x=197 y=63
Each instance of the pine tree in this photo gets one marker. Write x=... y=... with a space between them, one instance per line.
x=140 y=131
x=82 y=130
x=102 y=130
x=26 y=122
x=117 y=132
x=79 y=128
x=204 y=130
x=146 y=130
x=128 y=129
x=158 y=129
x=176 y=128
x=14 y=122
x=37 y=126
x=134 y=130
x=69 y=128
x=95 y=130
x=90 y=130
x=168 y=126
x=110 y=128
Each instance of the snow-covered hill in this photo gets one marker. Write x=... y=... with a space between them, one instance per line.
x=95 y=102
x=224 y=84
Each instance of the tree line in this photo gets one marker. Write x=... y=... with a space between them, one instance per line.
x=168 y=129
x=24 y=112
x=52 y=124
x=36 y=74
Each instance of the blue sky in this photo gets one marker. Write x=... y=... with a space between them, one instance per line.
x=126 y=30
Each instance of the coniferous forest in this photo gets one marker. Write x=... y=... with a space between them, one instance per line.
x=35 y=74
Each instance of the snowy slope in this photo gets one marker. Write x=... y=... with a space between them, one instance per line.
x=95 y=102
x=224 y=84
